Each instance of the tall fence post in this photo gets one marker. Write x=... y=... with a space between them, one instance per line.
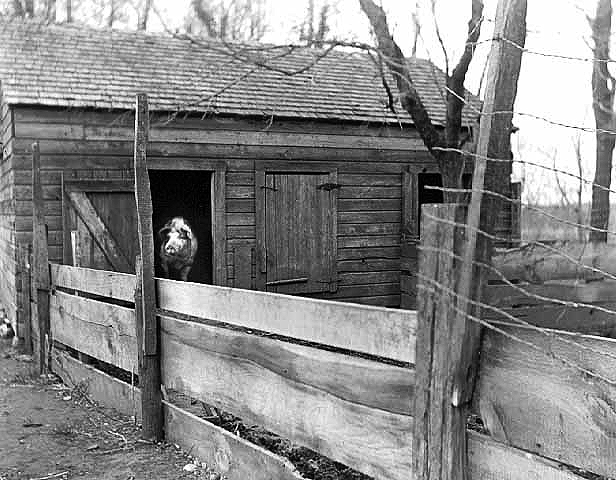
x=451 y=284
x=40 y=257
x=147 y=331
x=447 y=343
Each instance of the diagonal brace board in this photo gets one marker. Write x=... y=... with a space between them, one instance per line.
x=101 y=234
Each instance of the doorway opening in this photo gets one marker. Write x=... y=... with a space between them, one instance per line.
x=188 y=194
x=435 y=195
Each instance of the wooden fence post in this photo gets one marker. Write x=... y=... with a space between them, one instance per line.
x=24 y=253
x=147 y=331
x=409 y=241
x=448 y=339
x=41 y=276
x=443 y=348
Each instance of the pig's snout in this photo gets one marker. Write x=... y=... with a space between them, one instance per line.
x=170 y=249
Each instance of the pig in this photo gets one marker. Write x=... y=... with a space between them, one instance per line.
x=178 y=248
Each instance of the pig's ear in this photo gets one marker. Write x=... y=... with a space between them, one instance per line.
x=162 y=233
x=186 y=231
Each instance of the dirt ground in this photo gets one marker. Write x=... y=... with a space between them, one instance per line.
x=48 y=431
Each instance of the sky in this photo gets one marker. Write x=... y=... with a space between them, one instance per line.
x=554 y=89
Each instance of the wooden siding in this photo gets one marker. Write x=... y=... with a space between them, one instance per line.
x=8 y=255
x=89 y=145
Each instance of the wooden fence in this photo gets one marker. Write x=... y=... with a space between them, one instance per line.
x=337 y=378
x=383 y=391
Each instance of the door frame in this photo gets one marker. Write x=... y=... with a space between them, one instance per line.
x=265 y=167
x=218 y=169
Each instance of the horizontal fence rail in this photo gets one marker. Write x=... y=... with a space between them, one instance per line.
x=326 y=401
x=112 y=285
x=378 y=331
x=99 y=329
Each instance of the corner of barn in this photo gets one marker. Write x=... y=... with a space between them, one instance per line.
x=8 y=245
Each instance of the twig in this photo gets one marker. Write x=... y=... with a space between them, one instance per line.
x=51 y=475
x=121 y=436
x=115 y=450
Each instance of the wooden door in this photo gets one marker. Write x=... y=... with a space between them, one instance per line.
x=299 y=232
x=100 y=224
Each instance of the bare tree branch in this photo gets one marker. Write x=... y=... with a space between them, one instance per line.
x=455 y=82
x=439 y=37
x=409 y=97
x=18 y=9
x=144 y=14
x=416 y=29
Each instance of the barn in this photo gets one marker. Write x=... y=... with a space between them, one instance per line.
x=290 y=163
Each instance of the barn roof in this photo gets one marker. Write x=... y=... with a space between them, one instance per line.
x=76 y=66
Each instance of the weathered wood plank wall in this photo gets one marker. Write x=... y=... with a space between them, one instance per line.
x=8 y=261
x=370 y=161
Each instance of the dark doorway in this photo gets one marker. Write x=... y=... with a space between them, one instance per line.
x=435 y=195
x=188 y=194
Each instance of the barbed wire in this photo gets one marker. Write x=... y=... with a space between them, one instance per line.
x=550 y=333
x=554 y=55
x=538 y=243
x=516 y=321
x=519 y=202
x=525 y=162
x=521 y=289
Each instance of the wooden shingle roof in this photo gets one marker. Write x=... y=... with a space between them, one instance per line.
x=75 y=66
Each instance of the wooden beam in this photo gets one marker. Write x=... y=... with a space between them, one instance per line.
x=145 y=295
x=383 y=332
x=446 y=383
x=25 y=312
x=551 y=393
x=353 y=410
x=437 y=412
x=114 y=285
x=41 y=262
x=100 y=233
x=492 y=460
x=101 y=330
x=104 y=389
x=228 y=454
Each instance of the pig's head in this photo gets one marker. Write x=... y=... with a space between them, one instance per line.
x=175 y=236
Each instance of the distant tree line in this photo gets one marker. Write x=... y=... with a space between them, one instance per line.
x=229 y=20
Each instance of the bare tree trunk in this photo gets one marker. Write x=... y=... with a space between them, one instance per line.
x=323 y=27
x=603 y=86
x=310 y=20
x=112 y=13
x=50 y=14
x=69 y=11
x=416 y=28
x=205 y=15
x=145 y=13
x=18 y=9
x=29 y=8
